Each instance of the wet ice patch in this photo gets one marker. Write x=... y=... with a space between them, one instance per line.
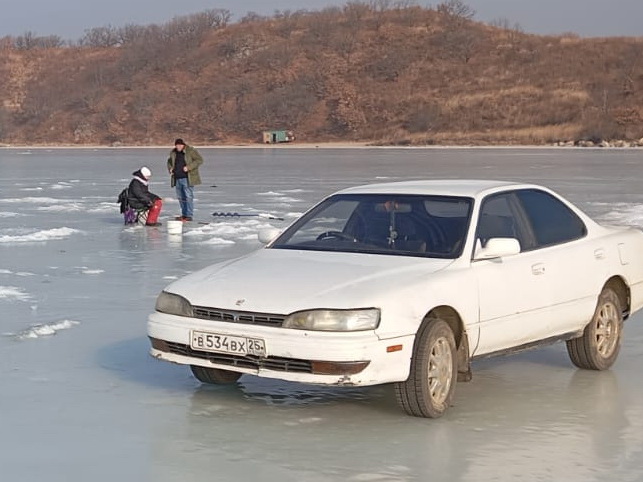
x=39 y=236
x=12 y=293
x=47 y=329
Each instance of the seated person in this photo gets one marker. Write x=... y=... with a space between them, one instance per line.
x=140 y=198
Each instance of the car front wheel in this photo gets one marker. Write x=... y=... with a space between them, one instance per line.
x=600 y=343
x=429 y=390
x=214 y=375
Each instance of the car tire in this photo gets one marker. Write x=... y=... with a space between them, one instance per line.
x=214 y=376
x=429 y=390
x=600 y=343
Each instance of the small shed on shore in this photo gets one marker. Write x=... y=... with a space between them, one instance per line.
x=275 y=137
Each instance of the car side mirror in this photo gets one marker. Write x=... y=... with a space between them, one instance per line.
x=497 y=248
x=267 y=234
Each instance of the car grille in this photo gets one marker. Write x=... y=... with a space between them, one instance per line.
x=249 y=361
x=243 y=317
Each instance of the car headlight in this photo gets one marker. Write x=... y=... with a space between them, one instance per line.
x=173 y=304
x=334 y=320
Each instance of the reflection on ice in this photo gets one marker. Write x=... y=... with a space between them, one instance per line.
x=278 y=392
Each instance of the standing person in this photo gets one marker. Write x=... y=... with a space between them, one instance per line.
x=183 y=166
x=140 y=198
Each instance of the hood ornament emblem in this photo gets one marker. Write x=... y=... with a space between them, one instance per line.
x=240 y=302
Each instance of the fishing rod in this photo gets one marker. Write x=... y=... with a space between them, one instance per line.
x=240 y=215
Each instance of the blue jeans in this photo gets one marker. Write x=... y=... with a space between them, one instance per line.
x=185 y=194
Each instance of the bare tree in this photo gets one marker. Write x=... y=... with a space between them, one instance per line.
x=100 y=37
x=30 y=41
x=456 y=11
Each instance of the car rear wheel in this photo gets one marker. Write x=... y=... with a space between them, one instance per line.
x=214 y=375
x=429 y=390
x=600 y=343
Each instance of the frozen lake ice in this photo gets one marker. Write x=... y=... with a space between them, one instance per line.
x=82 y=400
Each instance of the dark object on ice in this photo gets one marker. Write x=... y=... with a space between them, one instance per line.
x=238 y=215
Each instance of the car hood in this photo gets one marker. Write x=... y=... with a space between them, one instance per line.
x=283 y=281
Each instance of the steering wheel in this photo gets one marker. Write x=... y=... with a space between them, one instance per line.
x=336 y=235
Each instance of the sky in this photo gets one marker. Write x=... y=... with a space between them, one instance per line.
x=70 y=18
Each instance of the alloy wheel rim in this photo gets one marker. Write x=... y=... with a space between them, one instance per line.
x=440 y=370
x=606 y=332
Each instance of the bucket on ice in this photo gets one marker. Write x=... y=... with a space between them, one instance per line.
x=174 y=227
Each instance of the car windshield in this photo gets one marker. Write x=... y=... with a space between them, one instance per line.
x=407 y=225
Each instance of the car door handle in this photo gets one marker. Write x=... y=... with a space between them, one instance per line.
x=538 y=268
x=599 y=253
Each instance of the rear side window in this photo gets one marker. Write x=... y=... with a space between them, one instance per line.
x=551 y=220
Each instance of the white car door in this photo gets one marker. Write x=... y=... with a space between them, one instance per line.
x=576 y=266
x=514 y=296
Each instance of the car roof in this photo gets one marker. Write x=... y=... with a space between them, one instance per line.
x=444 y=187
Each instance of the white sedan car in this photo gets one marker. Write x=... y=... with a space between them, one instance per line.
x=406 y=283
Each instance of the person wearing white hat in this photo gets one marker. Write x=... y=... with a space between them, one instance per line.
x=140 y=198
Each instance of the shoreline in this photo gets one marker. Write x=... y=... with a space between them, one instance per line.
x=320 y=145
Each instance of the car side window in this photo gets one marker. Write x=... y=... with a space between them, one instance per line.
x=551 y=220
x=497 y=220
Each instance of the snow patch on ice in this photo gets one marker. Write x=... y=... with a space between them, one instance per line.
x=34 y=200
x=39 y=236
x=279 y=197
x=227 y=233
x=46 y=329
x=104 y=207
x=218 y=242
x=92 y=271
x=6 y=214
x=231 y=205
x=63 y=208
x=269 y=193
x=625 y=213
x=61 y=185
x=13 y=293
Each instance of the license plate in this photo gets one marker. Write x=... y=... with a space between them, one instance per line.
x=236 y=345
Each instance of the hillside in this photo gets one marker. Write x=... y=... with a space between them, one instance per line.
x=394 y=75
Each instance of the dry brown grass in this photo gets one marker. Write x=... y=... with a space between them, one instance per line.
x=402 y=76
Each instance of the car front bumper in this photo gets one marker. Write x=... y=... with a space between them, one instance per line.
x=327 y=358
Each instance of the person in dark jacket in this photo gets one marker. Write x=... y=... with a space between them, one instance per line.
x=139 y=196
x=183 y=166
